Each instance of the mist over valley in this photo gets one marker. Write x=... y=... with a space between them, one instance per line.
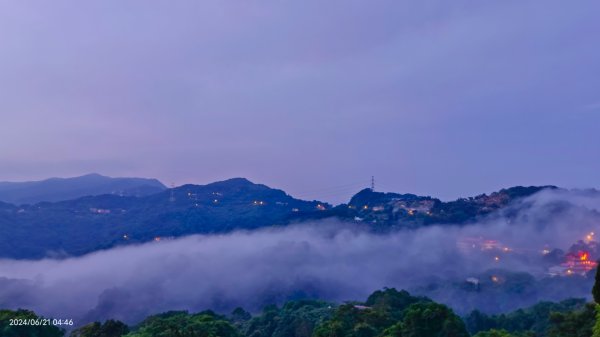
x=531 y=245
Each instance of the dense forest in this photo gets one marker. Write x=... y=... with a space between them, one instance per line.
x=385 y=313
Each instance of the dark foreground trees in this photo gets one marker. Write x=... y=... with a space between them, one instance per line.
x=295 y=318
x=385 y=313
x=110 y=328
x=392 y=313
x=536 y=319
x=183 y=324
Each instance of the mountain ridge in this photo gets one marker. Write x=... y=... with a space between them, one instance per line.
x=90 y=223
x=60 y=189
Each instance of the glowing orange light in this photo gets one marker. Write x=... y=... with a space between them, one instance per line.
x=590 y=236
x=583 y=256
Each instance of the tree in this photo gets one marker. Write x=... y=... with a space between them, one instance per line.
x=110 y=328
x=182 y=324
x=364 y=330
x=393 y=331
x=596 y=288
x=380 y=315
x=392 y=301
x=596 y=329
x=351 y=320
x=596 y=295
x=429 y=319
x=239 y=315
x=535 y=319
x=493 y=333
x=477 y=321
x=294 y=319
x=578 y=323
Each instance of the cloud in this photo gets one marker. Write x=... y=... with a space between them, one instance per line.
x=329 y=260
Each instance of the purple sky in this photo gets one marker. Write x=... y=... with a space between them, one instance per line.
x=444 y=98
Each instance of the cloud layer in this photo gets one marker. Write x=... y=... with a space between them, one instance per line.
x=328 y=260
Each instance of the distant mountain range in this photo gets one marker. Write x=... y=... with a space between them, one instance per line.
x=59 y=189
x=90 y=223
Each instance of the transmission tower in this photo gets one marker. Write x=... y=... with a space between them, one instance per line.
x=172 y=197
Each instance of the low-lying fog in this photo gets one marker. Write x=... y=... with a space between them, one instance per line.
x=328 y=260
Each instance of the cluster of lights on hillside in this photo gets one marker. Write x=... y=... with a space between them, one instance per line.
x=579 y=260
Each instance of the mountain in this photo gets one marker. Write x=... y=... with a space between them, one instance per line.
x=408 y=210
x=59 y=189
x=83 y=225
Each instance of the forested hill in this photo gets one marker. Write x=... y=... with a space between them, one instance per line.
x=386 y=210
x=91 y=223
x=87 y=224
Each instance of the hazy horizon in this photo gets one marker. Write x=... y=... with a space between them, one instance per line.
x=349 y=190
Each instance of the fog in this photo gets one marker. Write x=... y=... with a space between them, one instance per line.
x=329 y=260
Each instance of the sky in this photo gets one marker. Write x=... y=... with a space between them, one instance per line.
x=441 y=98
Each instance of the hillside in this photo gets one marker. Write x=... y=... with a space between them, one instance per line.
x=409 y=210
x=90 y=223
x=83 y=225
x=59 y=189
